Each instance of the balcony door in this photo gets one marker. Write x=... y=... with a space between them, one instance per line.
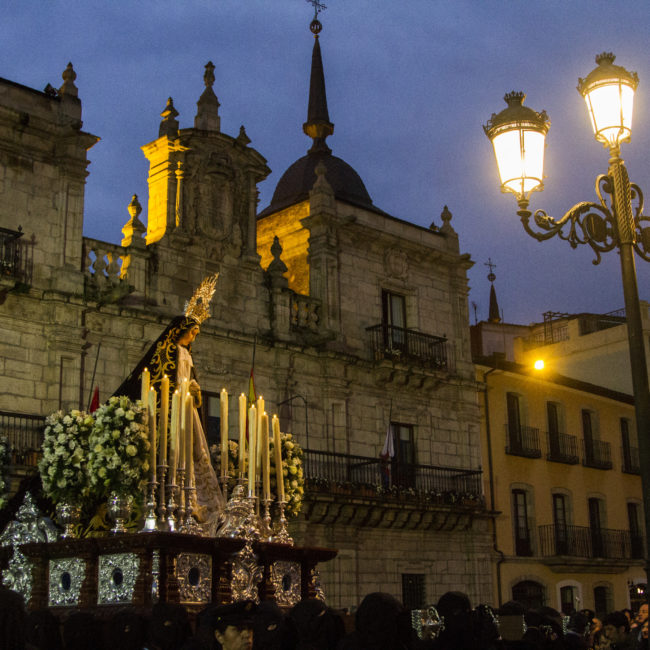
x=403 y=469
x=636 y=535
x=588 y=435
x=560 y=524
x=596 y=528
x=514 y=422
x=520 y=522
x=393 y=307
x=553 y=417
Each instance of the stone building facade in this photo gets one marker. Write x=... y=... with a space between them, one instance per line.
x=358 y=321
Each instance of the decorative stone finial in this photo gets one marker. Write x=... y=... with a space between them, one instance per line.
x=207 y=114
x=242 y=138
x=446 y=227
x=277 y=268
x=134 y=229
x=208 y=75
x=68 y=88
x=169 y=124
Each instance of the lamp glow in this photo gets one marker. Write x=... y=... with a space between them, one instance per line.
x=609 y=94
x=539 y=364
x=518 y=135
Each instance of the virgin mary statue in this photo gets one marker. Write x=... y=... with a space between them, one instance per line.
x=171 y=355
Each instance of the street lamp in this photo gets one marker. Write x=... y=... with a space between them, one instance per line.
x=616 y=221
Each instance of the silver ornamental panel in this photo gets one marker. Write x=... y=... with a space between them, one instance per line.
x=155 y=576
x=66 y=577
x=285 y=577
x=29 y=526
x=246 y=575
x=117 y=575
x=194 y=574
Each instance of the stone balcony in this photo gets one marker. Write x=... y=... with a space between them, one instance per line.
x=369 y=492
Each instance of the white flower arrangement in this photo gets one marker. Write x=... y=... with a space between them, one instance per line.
x=65 y=452
x=5 y=462
x=118 y=449
x=233 y=458
x=294 y=480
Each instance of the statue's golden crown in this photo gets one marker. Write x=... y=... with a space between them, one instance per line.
x=198 y=306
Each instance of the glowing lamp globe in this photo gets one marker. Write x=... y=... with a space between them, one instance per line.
x=518 y=135
x=609 y=94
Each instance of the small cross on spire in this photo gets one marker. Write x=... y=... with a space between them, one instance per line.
x=318 y=7
x=491 y=265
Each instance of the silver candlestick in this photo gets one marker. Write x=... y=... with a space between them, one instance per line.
x=150 y=521
x=282 y=533
x=190 y=525
x=162 y=508
x=266 y=527
x=181 y=496
x=171 y=509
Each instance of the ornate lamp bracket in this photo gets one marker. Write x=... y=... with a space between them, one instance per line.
x=594 y=224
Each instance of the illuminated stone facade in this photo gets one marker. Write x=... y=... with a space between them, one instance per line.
x=332 y=354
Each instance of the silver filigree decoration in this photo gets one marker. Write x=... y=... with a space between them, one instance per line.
x=315 y=583
x=155 y=576
x=246 y=575
x=194 y=573
x=66 y=577
x=285 y=577
x=29 y=526
x=117 y=575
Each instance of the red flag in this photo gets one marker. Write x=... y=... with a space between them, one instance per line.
x=94 y=403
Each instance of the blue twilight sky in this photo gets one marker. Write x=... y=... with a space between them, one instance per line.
x=409 y=86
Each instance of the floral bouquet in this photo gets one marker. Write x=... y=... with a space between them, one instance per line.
x=5 y=462
x=294 y=480
x=233 y=459
x=65 y=450
x=118 y=457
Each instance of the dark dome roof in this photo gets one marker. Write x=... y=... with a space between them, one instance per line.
x=298 y=180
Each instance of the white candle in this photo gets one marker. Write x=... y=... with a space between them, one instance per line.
x=242 y=434
x=223 y=403
x=151 y=408
x=144 y=386
x=252 y=422
x=182 y=421
x=277 y=452
x=189 y=452
x=171 y=477
x=164 y=418
x=266 y=463
x=258 y=440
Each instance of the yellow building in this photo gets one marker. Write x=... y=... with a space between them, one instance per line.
x=561 y=478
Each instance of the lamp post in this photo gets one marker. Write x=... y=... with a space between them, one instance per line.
x=615 y=222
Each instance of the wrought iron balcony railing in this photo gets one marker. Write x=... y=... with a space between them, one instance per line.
x=562 y=448
x=367 y=476
x=631 y=464
x=586 y=542
x=16 y=256
x=25 y=435
x=597 y=454
x=523 y=441
x=390 y=342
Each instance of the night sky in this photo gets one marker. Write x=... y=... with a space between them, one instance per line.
x=409 y=86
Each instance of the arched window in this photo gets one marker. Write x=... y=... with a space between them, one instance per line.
x=529 y=593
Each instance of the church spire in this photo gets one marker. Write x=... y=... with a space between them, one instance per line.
x=318 y=125
x=494 y=316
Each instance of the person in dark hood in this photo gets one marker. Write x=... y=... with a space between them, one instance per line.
x=43 y=630
x=381 y=623
x=456 y=609
x=271 y=630
x=317 y=627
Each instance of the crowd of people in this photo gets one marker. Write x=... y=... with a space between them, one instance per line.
x=379 y=623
